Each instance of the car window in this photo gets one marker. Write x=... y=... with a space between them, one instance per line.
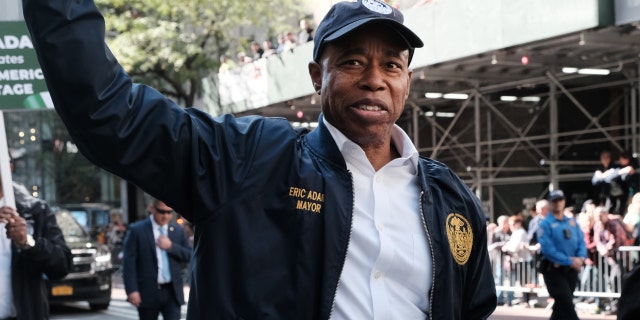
x=101 y=218
x=69 y=225
x=81 y=216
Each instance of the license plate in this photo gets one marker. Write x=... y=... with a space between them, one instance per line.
x=62 y=290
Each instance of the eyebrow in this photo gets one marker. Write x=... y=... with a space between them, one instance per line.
x=394 y=53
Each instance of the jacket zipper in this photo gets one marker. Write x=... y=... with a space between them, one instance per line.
x=433 y=264
x=353 y=205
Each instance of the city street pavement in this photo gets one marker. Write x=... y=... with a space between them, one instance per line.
x=522 y=313
x=502 y=312
x=118 y=292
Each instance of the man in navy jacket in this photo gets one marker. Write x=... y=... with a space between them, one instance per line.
x=154 y=254
x=345 y=221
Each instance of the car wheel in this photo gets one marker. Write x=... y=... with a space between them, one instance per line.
x=99 y=306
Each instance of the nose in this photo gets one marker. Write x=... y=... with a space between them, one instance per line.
x=372 y=78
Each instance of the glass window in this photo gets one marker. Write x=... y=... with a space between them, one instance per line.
x=81 y=217
x=101 y=218
x=68 y=225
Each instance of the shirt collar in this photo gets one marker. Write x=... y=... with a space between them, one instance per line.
x=399 y=138
x=156 y=225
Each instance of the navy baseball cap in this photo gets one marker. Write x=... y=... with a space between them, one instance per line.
x=555 y=195
x=345 y=17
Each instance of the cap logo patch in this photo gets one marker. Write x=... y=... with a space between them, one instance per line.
x=460 y=237
x=377 y=6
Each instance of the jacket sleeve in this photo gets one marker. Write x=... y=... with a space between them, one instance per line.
x=180 y=249
x=133 y=130
x=479 y=296
x=50 y=252
x=129 y=261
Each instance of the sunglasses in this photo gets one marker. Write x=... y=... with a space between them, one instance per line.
x=160 y=211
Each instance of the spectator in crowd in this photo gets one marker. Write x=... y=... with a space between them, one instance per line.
x=491 y=229
x=115 y=238
x=609 y=236
x=518 y=243
x=306 y=32
x=531 y=213
x=499 y=261
x=345 y=221
x=589 y=278
x=290 y=41
x=257 y=50
x=629 y=173
x=632 y=219
x=243 y=59
x=154 y=251
x=610 y=192
x=542 y=209
x=226 y=64
x=115 y=232
x=281 y=42
x=517 y=250
x=32 y=249
x=269 y=50
x=563 y=254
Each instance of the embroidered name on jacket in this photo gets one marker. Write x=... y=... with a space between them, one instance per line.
x=460 y=237
x=307 y=200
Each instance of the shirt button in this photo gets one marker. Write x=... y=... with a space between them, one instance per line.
x=379 y=179
x=380 y=227
x=377 y=275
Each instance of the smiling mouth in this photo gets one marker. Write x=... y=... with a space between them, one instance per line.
x=369 y=108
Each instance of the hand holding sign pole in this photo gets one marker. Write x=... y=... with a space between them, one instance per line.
x=5 y=169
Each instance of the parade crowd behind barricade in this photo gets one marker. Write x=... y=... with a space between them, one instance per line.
x=609 y=223
x=288 y=40
x=285 y=41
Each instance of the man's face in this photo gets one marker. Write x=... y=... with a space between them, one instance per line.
x=605 y=159
x=364 y=81
x=557 y=206
x=624 y=161
x=162 y=213
x=544 y=210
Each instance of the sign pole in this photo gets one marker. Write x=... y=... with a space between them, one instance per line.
x=5 y=169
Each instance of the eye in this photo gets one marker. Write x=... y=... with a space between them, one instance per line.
x=352 y=62
x=394 y=65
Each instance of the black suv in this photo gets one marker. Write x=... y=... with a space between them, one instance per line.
x=90 y=277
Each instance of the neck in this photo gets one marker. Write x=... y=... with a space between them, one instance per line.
x=558 y=215
x=379 y=156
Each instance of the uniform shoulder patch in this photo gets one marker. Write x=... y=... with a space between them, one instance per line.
x=460 y=237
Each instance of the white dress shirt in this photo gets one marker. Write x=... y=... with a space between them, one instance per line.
x=387 y=273
x=156 y=234
x=7 y=309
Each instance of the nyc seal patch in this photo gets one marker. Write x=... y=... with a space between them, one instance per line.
x=460 y=237
x=377 y=6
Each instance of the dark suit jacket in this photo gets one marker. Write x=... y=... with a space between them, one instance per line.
x=140 y=263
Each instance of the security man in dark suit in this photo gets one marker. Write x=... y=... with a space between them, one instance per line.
x=155 y=251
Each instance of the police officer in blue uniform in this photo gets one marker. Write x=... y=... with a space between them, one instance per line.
x=563 y=253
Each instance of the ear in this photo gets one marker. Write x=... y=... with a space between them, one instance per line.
x=315 y=72
x=406 y=95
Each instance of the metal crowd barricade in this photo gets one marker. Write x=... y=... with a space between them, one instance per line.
x=602 y=280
